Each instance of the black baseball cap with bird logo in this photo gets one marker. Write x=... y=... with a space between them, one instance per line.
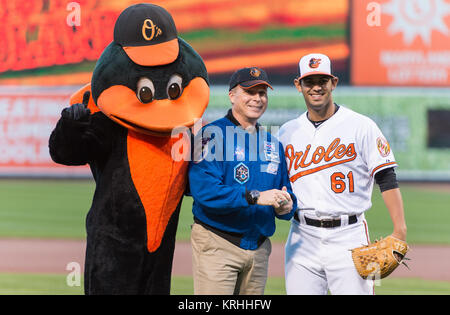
x=249 y=77
x=148 y=35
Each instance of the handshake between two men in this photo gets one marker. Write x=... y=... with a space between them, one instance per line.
x=279 y=199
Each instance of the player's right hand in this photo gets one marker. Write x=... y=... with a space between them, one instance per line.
x=78 y=111
x=274 y=197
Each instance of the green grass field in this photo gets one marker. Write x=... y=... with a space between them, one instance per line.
x=57 y=209
x=50 y=284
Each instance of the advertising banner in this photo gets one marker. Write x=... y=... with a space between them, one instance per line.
x=26 y=122
x=400 y=42
x=414 y=120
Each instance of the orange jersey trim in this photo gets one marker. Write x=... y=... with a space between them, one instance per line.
x=382 y=165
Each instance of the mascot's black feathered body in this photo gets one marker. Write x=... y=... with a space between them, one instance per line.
x=146 y=82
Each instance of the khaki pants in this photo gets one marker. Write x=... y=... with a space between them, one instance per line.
x=220 y=267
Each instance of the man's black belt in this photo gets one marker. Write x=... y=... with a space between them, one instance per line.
x=326 y=223
x=234 y=238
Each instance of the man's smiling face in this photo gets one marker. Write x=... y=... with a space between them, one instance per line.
x=317 y=90
x=249 y=104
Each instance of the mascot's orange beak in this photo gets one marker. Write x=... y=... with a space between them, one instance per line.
x=159 y=117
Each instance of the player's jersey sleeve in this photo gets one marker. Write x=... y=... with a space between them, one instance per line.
x=377 y=151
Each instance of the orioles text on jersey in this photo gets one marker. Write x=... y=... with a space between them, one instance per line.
x=335 y=154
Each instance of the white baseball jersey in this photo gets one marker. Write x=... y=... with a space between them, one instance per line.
x=332 y=167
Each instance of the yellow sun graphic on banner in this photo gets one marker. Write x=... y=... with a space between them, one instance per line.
x=417 y=18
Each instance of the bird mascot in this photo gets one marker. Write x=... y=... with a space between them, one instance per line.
x=147 y=82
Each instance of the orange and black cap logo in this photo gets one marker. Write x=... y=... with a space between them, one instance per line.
x=314 y=63
x=150 y=30
x=255 y=72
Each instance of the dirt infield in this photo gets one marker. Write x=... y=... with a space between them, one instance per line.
x=53 y=256
x=437 y=187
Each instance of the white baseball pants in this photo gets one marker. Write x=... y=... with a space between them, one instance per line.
x=319 y=259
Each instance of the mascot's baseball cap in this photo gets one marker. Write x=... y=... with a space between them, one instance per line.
x=314 y=64
x=249 y=77
x=147 y=34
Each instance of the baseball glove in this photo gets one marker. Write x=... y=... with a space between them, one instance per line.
x=378 y=260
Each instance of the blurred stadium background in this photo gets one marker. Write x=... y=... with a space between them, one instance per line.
x=392 y=58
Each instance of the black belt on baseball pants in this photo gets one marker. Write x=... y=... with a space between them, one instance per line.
x=326 y=223
x=234 y=238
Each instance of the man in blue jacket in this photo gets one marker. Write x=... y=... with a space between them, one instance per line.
x=239 y=184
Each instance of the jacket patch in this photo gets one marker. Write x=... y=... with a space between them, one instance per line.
x=271 y=168
x=270 y=152
x=241 y=173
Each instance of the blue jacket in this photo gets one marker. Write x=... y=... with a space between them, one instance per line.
x=230 y=166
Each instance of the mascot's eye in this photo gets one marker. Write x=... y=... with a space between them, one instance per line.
x=174 y=88
x=145 y=90
x=145 y=94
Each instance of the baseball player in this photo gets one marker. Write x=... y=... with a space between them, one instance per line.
x=334 y=155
